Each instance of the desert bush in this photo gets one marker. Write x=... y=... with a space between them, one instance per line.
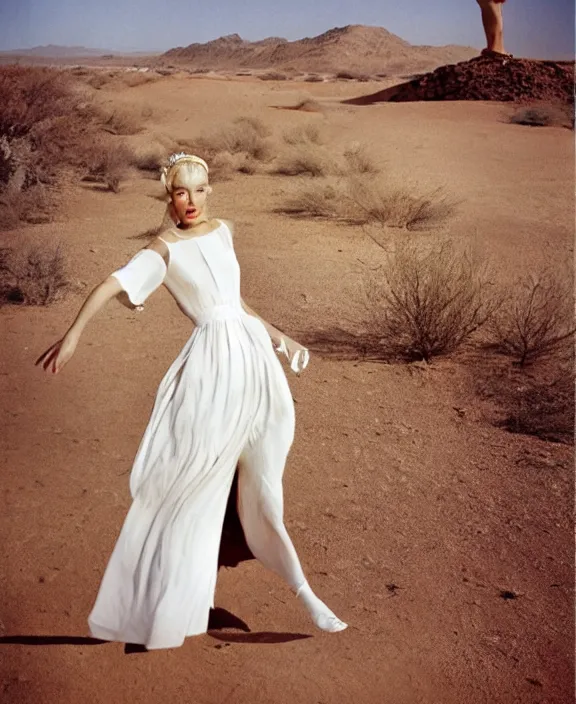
x=353 y=76
x=32 y=205
x=316 y=200
x=395 y=206
x=543 y=115
x=311 y=161
x=427 y=301
x=34 y=275
x=122 y=121
x=134 y=79
x=108 y=162
x=234 y=139
x=151 y=160
x=314 y=78
x=537 y=318
x=253 y=124
x=98 y=80
x=273 y=76
x=304 y=135
x=359 y=161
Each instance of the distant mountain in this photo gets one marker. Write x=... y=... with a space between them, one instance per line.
x=356 y=48
x=53 y=51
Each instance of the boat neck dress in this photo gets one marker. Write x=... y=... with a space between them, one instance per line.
x=223 y=403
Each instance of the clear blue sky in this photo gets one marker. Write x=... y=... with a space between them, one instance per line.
x=538 y=28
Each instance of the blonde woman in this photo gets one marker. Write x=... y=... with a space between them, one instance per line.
x=224 y=403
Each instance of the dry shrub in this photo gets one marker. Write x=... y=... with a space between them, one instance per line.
x=537 y=319
x=304 y=135
x=238 y=146
x=310 y=161
x=108 y=162
x=357 y=199
x=123 y=121
x=34 y=275
x=427 y=301
x=359 y=161
x=98 y=80
x=134 y=79
x=543 y=115
x=253 y=124
x=151 y=160
x=395 y=206
x=273 y=76
x=353 y=76
x=314 y=200
x=32 y=205
x=314 y=78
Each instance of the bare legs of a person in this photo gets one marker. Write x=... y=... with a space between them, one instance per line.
x=493 y=23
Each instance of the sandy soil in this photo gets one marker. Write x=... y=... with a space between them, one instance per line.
x=411 y=513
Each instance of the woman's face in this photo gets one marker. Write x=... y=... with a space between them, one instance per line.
x=189 y=203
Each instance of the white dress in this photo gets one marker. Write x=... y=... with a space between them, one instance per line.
x=224 y=402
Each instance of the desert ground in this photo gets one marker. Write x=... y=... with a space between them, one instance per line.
x=444 y=541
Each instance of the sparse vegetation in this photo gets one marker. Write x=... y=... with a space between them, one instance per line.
x=34 y=275
x=427 y=301
x=395 y=206
x=359 y=200
x=123 y=121
x=108 y=163
x=314 y=200
x=537 y=320
x=47 y=133
x=306 y=134
x=311 y=161
x=543 y=115
x=242 y=146
x=273 y=76
x=359 y=161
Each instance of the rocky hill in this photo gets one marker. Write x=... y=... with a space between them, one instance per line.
x=484 y=78
x=356 y=48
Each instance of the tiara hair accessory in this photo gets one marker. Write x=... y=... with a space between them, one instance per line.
x=182 y=156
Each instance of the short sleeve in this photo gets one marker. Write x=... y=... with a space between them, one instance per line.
x=142 y=275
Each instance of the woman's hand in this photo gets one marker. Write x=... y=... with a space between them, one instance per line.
x=297 y=355
x=58 y=354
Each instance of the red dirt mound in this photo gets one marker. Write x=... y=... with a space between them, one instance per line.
x=485 y=78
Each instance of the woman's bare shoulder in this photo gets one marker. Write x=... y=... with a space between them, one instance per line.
x=157 y=245
x=229 y=224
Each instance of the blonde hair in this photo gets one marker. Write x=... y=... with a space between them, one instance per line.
x=192 y=171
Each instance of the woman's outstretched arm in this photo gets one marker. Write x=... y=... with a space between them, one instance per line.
x=61 y=352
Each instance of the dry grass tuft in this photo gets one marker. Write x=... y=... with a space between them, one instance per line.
x=309 y=161
x=34 y=276
x=394 y=206
x=303 y=135
x=253 y=124
x=537 y=319
x=313 y=200
x=108 y=163
x=359 y=161
x=123 y=121
x=273 y=76
x=308 y=105
x=544 y=115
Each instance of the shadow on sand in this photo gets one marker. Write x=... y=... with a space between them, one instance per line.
x=233 y=550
